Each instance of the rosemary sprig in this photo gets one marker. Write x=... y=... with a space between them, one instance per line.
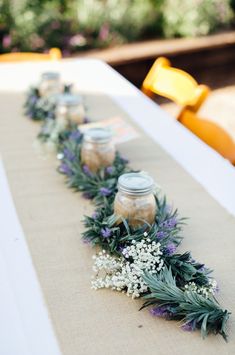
x=196 y=311
x=184 y=269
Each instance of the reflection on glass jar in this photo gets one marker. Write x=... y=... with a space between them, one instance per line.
x=70 y=107
x=50 y=84
x=97 y=149
x=135 y=200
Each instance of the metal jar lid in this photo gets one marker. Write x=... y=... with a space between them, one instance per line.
x=50 y=75
x=98 y=135
x=68 y=100
x=135 y=183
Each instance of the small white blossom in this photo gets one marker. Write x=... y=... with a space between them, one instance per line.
x=125 y=273
x=205 y=291
x=53 y=128
x=60 y=156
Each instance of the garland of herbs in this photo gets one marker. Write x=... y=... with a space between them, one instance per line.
x=39 y=108
x=141 y=262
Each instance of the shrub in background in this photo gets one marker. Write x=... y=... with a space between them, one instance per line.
x=118 y=21
x=42 y=24
x=183 y=18
x=72 y=25
x=6 y=24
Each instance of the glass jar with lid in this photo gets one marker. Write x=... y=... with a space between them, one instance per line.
x=97 y=150
x=50 y=84
x=70 y=107
x=135 y=200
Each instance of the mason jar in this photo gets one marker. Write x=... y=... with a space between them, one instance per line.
x=70 y=107
x=50 y=84
x=135 y=199
x=97 y=149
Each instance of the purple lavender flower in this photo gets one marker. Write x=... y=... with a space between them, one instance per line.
x=170 y=223
x=68 y=154
x=86 y=170
x=33 y=99
x=161 y=311
x=75 y=135
x=87 y=195
x=170 y=249
x=163 y=224
x=95 y=215
x=30 y=113
x=109 y=170
x=202 y=268
x=86 y=120
x=189 y=326
x=160 y=235
x=104 y=191
x=86 y=241
x=121 y=248
x=124 y=160
x=106 y=232
x=65 y=169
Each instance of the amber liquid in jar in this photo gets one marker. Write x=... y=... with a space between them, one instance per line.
x=70 y=107
x=50 y=84
x=97 y=149
x=135 y=200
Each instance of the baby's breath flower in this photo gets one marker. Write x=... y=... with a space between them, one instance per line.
x=125 y=273
x=205 y=291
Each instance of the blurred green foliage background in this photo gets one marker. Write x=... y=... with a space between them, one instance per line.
x=73 y=25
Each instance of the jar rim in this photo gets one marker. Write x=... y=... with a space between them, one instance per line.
x=50 y=75
x=135 y=183
x=98 y=135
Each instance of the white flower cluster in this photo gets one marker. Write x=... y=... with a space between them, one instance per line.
x=54 y=128
x=205 y=291
x=126 y=273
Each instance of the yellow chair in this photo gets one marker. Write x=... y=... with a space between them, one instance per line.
x=174 y=84
x=210 y=132
x=181 y=88
x=54 y=54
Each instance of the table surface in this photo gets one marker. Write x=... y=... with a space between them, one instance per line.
x=88 y=322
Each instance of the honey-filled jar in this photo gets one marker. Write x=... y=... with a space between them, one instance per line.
x=50 y=84
x=97 y=150
x=135 y=199
x=70 y=107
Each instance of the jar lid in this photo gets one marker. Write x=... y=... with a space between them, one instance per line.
x=135 y=183
x=98 y=135
x=68 y=99
x=50 y=75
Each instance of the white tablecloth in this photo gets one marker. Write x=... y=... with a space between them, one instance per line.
x=213 y=172
x=21 y=302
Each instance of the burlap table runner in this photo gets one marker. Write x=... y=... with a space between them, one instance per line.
x=104 y=322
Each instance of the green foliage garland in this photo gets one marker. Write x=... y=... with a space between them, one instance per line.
x=39 y=108
x=101 y=186
x=177 y=286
